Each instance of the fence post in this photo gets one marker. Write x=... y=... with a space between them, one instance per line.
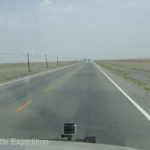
x=28 y=62
x=46 y=61
x=57 y=61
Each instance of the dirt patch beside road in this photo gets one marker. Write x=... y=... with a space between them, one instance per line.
x=135 y=71
x=18 y=70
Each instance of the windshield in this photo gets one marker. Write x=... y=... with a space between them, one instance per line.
x=81 y=62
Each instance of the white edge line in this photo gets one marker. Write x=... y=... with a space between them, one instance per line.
x=125 y=94
x=36 y=74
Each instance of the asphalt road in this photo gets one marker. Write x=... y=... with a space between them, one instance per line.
x=37 y=107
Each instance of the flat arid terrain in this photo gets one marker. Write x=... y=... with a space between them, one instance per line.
x=136 y=71
x=17 y=70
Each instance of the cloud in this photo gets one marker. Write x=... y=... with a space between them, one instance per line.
x=137 y=4
x=11 y=20
x=55 y=6
x=45 y=4
x=86 y=26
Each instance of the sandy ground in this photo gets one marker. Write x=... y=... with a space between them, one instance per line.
x=18 y=70
x=136 y=71
x=139 y=64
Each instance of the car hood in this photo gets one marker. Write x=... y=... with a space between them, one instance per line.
x=60 y=145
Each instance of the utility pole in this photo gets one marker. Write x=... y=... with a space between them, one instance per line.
x=46 y=61
x=28 y=62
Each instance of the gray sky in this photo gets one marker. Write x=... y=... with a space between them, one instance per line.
x=99 y=29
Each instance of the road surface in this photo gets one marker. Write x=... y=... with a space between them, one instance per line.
x=37 y=107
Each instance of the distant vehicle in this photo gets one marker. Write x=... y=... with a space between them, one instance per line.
x=87 y=60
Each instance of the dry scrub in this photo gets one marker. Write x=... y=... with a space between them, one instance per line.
x=131 y=70
x=14 y=71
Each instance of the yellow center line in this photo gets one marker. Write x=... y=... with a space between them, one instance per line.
x=49 y=88
x=59 y=81
x=23 y=106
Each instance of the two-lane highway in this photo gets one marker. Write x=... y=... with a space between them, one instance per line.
x=37 y=107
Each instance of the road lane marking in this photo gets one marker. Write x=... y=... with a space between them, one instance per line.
x=125 y=94
x=65 y=76
x=70 y=73
x=59 y=81
x=49 y=88
x=23 y=106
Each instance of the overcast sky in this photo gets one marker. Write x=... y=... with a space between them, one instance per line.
x=99 y=29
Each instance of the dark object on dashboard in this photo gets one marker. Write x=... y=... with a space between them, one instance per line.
x=91 y=139
x=69 y=131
